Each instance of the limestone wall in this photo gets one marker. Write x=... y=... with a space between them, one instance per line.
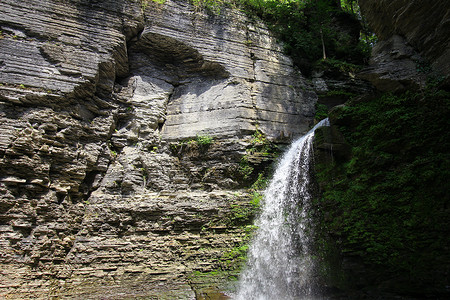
x=228 y=74
x=98 y=196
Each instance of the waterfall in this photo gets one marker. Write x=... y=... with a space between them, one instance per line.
x=280 y=264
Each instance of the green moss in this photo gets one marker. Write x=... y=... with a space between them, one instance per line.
x=258 y=138
x=236 y=257
x=242 y=214
x=261 y=147
x=145 y=3
x=211 y=285
x=199 y=145
x=245 y=169
x=213 y=6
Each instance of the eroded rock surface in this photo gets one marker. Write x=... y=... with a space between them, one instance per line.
x=414 y=41
x=104 y=190
x=395 y=66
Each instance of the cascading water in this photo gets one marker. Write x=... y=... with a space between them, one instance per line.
x=280 y=263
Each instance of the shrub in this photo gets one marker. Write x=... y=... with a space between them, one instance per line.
x=204 y=140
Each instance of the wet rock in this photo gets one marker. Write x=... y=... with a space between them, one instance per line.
x=330 y=144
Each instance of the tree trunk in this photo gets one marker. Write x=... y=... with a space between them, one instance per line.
x=323 y=45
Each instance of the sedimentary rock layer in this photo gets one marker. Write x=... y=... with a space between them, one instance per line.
x=104 y=190
x=413 y=38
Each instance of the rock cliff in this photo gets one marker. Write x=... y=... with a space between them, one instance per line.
x=413 y=42
x=107 y=187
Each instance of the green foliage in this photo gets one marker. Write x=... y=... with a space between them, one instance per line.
x=366 y=42
x=145 y=3
x=236 y=257
x=198 y=279
x=423 y=66
x=305 y=26
x=258 y=138
x=200 y=142
x=350 y=6
x=245 y=169
x=204 y=140
x=260 y=183
x=256 y=199
x=339 y=65
x=213 y=6
x=260 y=144
x=389 y=203
x=257 y=187
x=242 y=214
x=321 y=112
x=174 y=147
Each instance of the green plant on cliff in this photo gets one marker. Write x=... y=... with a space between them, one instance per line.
x=339 y=65
x=261 y=149
x=245 y=169
x=204 y=140
x=258 y=137
x=321 y=112
x=145 y=3
x=389 y=203
x=211 y=5
x=257 y=187
x=236 y=257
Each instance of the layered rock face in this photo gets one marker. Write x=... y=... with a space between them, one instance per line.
x=413 y=38
x=104 y=189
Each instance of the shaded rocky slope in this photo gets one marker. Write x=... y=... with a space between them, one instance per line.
x=104 y=189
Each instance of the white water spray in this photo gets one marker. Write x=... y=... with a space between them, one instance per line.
x=280 y=263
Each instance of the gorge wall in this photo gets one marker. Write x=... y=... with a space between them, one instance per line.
x=134 y=136
x=382 y=166
x=424 y=25
x=107 y=189
x=413 y=41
